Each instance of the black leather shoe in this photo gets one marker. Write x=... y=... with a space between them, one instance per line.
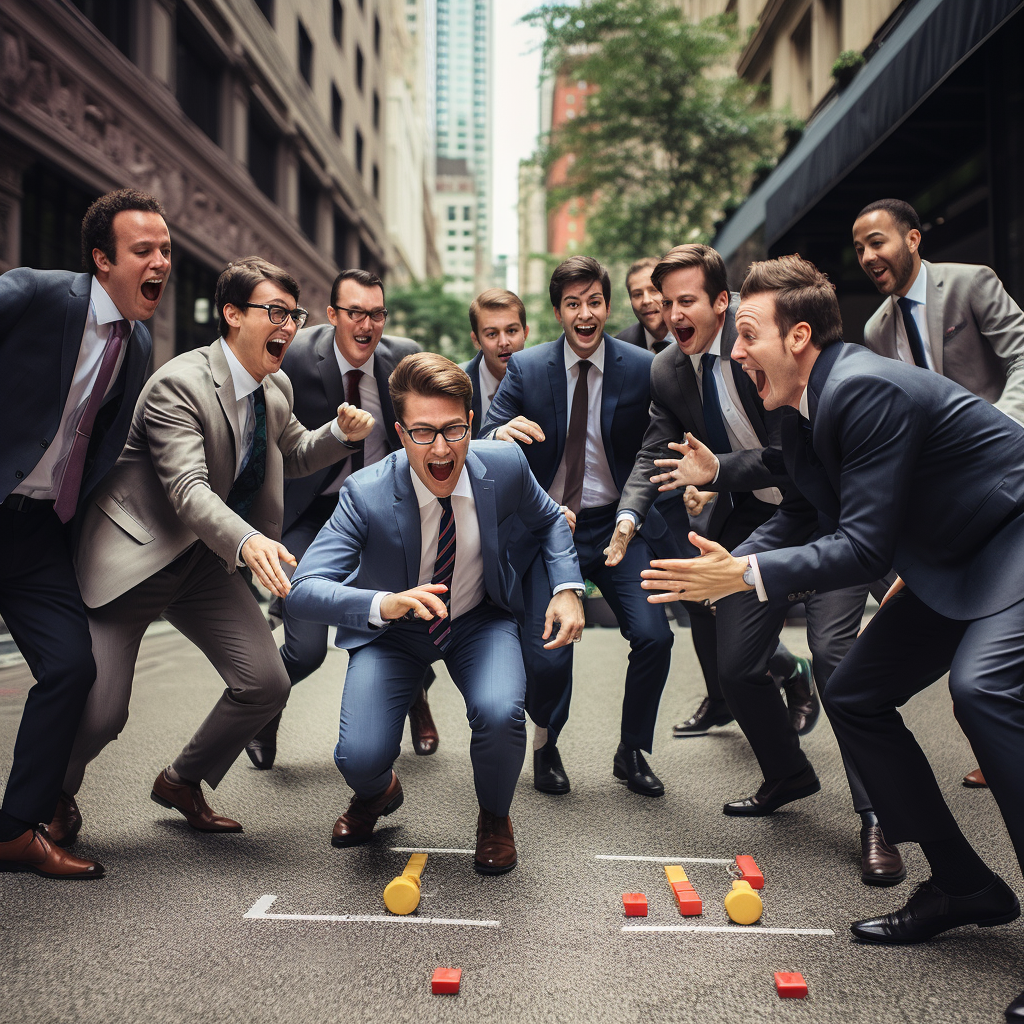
x=880 y=863
x=1015 y=1011
x=548 y=774
x=930 y=911
x=262 y=748
x=630 y=767
x=711 y=713
x=773 y=794
x=802 y=699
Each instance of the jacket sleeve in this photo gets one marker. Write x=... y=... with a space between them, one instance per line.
x=1001 y=322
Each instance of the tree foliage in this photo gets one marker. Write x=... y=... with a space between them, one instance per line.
x=428 y=314
x=669 y=139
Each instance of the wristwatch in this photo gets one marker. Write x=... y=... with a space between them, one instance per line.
x=748 y=574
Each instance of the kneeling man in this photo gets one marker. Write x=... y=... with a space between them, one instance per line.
x=413 y=568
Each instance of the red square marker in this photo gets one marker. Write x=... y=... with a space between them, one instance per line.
x=635 y=904
x=749 y=871
x=446 y=981
x=689 y=904
x=681 y=887
x=790 y=986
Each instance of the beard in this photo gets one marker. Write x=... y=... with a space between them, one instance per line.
x=902 y=267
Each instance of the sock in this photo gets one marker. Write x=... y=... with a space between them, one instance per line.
x=868 y=819
x=11 y=827
x=956 y=867
x=540 y=737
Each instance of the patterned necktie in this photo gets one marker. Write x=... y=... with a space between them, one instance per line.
x=352 y=379
x=576 y=440
x=71 y=480
x=913 y=333
x=444 y=569
x=250 y=479
x=718 y=437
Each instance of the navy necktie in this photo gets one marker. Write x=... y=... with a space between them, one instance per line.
x=913 y=334
x=444 y=569
x=718 y=437
x=250 y=479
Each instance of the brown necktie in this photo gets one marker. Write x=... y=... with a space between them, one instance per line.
x=576 y=441
x=352 y=379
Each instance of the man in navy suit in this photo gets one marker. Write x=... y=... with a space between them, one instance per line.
x=75 y=353
x=412 y=567
x=908 y=469
x=579 y=406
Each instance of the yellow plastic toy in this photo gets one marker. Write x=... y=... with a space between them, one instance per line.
x=742 y=904
x=675 y=873
x=402 y=894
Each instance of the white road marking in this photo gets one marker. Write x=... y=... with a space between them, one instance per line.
x=258 y=912
x=425 y=849
x=724 y=928
x=669 y=860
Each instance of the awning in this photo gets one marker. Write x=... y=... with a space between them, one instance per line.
x=922 y=50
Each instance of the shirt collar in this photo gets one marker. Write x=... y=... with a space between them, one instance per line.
x=805 y=409
x=486 y=377
x=103 y=305
x=345 y=366
x=244 y=383
x=714 y=349
x=651 y=340
x=463 y=488
x=919 y=289
x=597 y=359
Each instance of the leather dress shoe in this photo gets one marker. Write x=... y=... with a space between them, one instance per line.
x=495 y=844
x=262 y=748
x=880 y=863
x=188 y=798
x=930 y=911
x=421 y=726
x=711 y=713
x=67 y=822
x=631 y=767
x=32 y=851
x=773 y=794
x=975 y=780
x=548 y=774
x=355 y=826
x=802 y=700
x=1015 y=1011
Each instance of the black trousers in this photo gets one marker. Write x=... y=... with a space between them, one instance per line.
x=42 y=606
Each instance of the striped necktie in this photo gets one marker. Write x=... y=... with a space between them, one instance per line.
x=444 y=570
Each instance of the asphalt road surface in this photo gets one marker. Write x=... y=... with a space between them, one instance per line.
x=276 y=925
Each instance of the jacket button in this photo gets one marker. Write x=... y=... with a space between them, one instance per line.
x=44 y=443
x=18 y=474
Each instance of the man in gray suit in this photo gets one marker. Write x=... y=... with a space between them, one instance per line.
x=197 y=493
x=650 y=330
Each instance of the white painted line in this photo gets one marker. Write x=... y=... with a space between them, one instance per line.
x=258 y=912
x=425 y=849
x=669 y=860
x=724 y=928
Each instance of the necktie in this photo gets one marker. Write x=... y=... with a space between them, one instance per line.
x=71 y=479
x=718 y=437
x=913 y=333
x=352 y=379
x=576 y=440
x=659 y=346
x=250 y=479
x=444 y=569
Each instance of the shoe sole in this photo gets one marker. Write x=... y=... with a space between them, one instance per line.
x=974 y=785
x=884 y=881
x=677 y=735
x=166 y=803
x=17 y=867
x=771 y=808
x=552 y=791
x=341 y=844
x=624 y=779
x=990 y=922
x=487 y=869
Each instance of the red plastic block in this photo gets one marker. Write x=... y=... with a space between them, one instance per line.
x=689 y=904
x=635 y=904
x=446 y=981
x=680 y=887
x=790 y=986
x=749 y=871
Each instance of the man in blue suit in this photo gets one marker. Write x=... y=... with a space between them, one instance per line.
x=75 y=354
x=580 y=407
x=412 y=567
x=904 y=468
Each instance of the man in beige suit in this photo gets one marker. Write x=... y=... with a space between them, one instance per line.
x=197 y=493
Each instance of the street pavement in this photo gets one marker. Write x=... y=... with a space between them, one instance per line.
x=182 y=929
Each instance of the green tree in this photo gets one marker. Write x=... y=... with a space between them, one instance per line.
x=428 y=314
x=669 y=139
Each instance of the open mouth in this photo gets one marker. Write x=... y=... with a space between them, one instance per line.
x=684 y=334
x=276 y=347
x=440 y=471
x=364 y=339
x=151 y=289
x=760 y=379
x=504 y=356
x=585 y=331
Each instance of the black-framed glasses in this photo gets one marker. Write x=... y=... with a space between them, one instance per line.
x=426 y=435
x=279 y=314
x=357 y=316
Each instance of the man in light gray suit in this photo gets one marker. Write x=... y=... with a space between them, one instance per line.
x=197 y=493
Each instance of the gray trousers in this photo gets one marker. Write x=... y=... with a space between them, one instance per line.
x=218 y=613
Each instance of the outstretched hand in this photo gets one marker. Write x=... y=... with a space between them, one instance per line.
x=698 y=465
x=423 y=602
x=714 y=574
x=264 y=557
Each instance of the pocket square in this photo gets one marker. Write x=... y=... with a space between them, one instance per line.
x=950 y=331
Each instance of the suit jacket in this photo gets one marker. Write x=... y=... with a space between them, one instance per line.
x=372 y=541
x=472 y=367
x=676 y=408
x=975 y=332
x=42 y=319
x=169 y=487
x=312 y=367
x=915 y=472
x=634 y=335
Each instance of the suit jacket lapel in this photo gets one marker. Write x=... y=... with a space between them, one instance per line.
x=74 y=328
x=887 y=328
x=474 y=375
x=556 y=378
x=935 y=293
x=487 y=517
x=330 y=372
x=610 y=387
x=407 y=516
x=226 y=393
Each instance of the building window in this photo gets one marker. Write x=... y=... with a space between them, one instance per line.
x=195 y=318
x=338 y=22
x=376 y=35
x=309 y=201
x=267 y=7
x=305 y=54
x=359 y=151
x=52 y=208
x=467 y=212
x=376 y=182
x=451 y=213
x=376 y=110
x=359 y=68
x=341 y=230
x=337 y=109
x=198 y=76
x=114 y=18
x=262 y=158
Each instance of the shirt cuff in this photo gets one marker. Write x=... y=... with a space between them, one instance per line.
x=718 y=469
x=762 y=594
x=628 y=513
x=239 y=560
x=566 y=586
x=375 y=619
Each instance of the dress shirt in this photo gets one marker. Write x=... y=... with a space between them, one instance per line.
x=650 y=340
x=918 y=294
x=488 y=385
x=44 y=480
x=598 y=484
x=375 y=446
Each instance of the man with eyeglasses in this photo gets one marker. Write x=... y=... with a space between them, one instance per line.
x=197 y=493
x=349 y=359
x=413 y=567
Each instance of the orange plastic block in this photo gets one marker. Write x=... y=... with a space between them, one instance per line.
x=675 y=873
x=749 y=871
x=446 y=981
x=790 y=985
x=689 y=904
x=635 y=904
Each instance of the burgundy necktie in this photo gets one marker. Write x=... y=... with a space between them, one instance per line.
x=352 y=379
x=71 y=480
x=576 y=441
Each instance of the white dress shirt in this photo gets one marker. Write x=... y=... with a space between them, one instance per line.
x=488 y=385
x=375 y=447
x=651 y=340
x=918 y=294
x=44 y=480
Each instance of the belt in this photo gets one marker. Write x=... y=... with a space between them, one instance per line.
x=23 y=503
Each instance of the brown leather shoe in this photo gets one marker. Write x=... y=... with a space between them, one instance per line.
x=975 y=780
x=188 y=798
x=355 y=826
x=67 y=822
x=31 y=851
x=421 y=725
x=880 y=863
x=495 y=844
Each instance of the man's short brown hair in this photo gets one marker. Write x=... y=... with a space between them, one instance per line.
x=647 y=263
x=802 y=293
x=239 y=280
x=98 y=222
x=494 y=299
x=578 y=270
x=431 y=375
x=694 y=254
